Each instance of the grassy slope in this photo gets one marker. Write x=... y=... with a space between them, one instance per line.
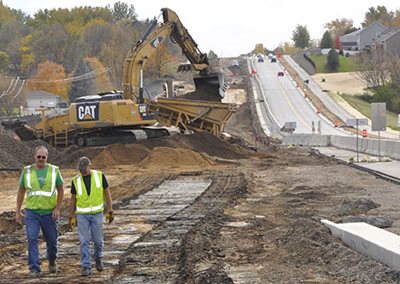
x=347 y=64
x=365 y=108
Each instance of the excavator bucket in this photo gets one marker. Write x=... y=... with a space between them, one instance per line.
x=210 y=87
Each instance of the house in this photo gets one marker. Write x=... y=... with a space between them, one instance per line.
x=41 y=99
x=362 y=39
x=389 y=41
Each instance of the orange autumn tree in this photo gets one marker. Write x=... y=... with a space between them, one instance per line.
x=50 y=77
x=101 y=74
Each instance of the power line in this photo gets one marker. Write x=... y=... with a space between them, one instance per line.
x=76 y=78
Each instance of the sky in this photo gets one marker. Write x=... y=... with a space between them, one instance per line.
x=230 y=28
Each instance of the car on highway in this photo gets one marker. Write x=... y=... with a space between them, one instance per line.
x=260 y=59
x=281 y=74
x=273 y=59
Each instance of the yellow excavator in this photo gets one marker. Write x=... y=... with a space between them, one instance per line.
x=124 y=117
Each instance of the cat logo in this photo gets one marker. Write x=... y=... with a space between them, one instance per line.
x=156 y=41
x=88 y=112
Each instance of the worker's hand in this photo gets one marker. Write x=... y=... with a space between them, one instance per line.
x=19 y=216
x=110 y=216
x=56 y=213
x=72 y=223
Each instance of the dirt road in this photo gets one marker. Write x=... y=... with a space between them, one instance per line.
x=196 y=209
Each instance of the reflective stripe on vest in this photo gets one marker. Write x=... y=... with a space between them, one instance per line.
x=41 y=192
x=90 y=209
x=79 y=183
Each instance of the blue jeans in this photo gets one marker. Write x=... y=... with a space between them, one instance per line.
x=33 y=223
x=90 y=224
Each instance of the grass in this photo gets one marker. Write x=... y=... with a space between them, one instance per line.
x=347 y=64
x=365 y=108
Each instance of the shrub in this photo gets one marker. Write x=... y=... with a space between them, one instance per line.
x=333 y=60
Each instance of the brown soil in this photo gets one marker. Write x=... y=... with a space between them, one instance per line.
x=257 y=222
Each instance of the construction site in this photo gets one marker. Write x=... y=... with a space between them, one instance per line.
x=197 y=208
x=203 y=189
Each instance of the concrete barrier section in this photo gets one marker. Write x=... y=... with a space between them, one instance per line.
x=368 y=240
x=388 y=148
x=307 y=140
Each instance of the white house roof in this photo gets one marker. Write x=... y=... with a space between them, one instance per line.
x=41 y=95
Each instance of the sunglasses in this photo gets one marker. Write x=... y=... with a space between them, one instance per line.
x=41 y=157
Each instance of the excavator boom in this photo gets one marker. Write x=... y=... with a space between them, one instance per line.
x=156 y=34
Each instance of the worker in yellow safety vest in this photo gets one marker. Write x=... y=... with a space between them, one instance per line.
x=89 y=189
x=42 y=186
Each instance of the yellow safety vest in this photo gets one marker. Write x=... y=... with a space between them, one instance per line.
x=93 y=203
x=40 y=198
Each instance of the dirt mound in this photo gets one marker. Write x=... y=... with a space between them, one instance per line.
x=120 y=155
x=165 y=157
x=101 y=157
x=15 y=154
x=69 y=157
x=201 y=142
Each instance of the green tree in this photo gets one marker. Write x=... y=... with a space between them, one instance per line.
x=333 y=60
x=301 y=37
x=5 y=14
x=96 y=33
x=4 y=61
x=380 y=14
x=49 y=43
x=83 y=84
x=326 y=41
x=121 y=11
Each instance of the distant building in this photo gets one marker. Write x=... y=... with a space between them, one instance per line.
x=41 y=99
x=389 y=41
x=362 y=39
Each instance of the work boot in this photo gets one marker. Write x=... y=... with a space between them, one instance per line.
x=52 y=266
x=99 y=264
x=86 y=272
x=34 y=274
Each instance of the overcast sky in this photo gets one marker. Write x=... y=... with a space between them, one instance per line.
x=231 y=28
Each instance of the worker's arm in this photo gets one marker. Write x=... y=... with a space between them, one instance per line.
x=72 y=206
x=108 y=199
x=60 y=197
x=20 y=200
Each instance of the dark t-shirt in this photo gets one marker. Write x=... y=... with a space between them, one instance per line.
x=87 y=182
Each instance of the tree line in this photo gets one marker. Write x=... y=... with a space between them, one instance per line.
x=73 y=52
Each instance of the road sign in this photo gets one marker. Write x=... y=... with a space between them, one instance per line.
x=353 y=121
x=378 y=116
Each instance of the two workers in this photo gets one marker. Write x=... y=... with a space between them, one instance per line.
x=42 y=186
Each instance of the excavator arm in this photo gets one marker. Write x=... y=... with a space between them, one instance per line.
x=156 y=34
x=181 y=36
x=132 y=81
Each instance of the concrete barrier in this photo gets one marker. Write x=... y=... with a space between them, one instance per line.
x=307 y=140
x=368 y=240
x=388 y=148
